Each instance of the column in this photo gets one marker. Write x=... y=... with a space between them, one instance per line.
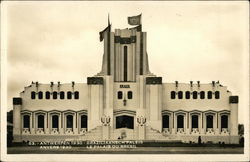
x=233 y=100
x=75 y=123
x=200 y=123
x=204 y=123
x=155 y=106
x=61 y=123
x=187 y=124
x=46 y=125
x=17 y=105
x=173 y=124
x=32 y=123
x=216 y=126
x=95 y=95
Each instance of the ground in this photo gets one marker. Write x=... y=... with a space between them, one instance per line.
x=138 y=150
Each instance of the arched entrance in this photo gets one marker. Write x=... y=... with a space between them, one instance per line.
x=125 y=121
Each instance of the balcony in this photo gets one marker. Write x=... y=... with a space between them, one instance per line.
x=54 y=131
x=83 y=130
x=195 y=131
x=26 y=131
x=166 y=131
x=224 y=131
x=39 y=131
x=210 y=131
x=69 y=131
x=180 y=131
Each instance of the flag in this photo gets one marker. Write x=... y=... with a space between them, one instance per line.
x=137 y=28
x=134 y=20
x=107 y=29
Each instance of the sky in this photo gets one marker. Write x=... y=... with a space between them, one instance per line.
x=59 y=41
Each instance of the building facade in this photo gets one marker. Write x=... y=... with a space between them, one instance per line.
x=126 y=101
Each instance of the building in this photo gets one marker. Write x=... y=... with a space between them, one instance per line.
x=126 y=101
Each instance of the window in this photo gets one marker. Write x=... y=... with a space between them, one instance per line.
x=40 y=95
x=69 y=95
x=195 y=94
x=40 y=121
x=125 y=121
x=195 y=121
x=125 y=63
x=224 y=121
x=47 y=95
x=202 y=95
x=130 y=95
x=33 y=95
x=180 y=95
x=119 y=95
x=209 y=94
x=26 y=121
x=180 y=121
x=54 y=95
x=76 y=95
x=55 y=121
x=69 y=121
x=173 y=94
x=84 y=121
x=209 y=121
x=187 y=95
x=217 y=95
x=61 y=95
x=165 y=121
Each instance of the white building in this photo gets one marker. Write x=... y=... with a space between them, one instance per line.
x=126 y=101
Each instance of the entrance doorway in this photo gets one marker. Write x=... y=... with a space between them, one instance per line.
x=125 y=121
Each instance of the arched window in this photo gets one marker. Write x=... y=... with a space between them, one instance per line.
x=40 y=121
x=26 y=121
x=33 y=95
x=224 y=121
x=210 y=121
x=209 y=94
x=55 y=120
x=165 y=121
x=61 y=95
x=40 y=95
x=130 y=95
x=84 y=121
x=119 y=95
x=187 y=95
x=217 y=95
x=180 y=121
x=195 y=94
x=173 y=94
x=202 y=95
x=76 y=95
x=69 y=121
x=180 y=95
x=47 y=95
x=195 y=120
x=54 y=95
x=69 y=95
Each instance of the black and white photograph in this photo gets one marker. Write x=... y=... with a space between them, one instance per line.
x=124 y=80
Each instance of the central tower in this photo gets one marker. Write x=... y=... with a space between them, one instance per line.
x=125 y=55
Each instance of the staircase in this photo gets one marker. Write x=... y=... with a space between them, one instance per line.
x=93 y=134
x=153 y=134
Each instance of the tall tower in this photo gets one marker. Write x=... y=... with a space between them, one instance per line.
x=125 y=55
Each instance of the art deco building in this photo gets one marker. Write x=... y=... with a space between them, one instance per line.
x=126 y=101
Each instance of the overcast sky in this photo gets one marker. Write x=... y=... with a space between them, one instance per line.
x=59 y=41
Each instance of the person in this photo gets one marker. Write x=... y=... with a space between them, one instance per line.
x=199 y=140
